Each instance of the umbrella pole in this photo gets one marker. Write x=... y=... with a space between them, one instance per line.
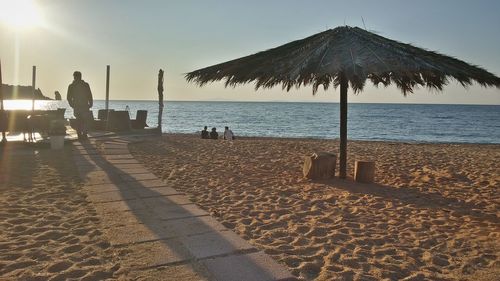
x=343 y=126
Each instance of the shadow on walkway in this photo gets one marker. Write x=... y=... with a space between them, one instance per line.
x=159 y=228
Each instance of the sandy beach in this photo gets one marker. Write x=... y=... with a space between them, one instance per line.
x=433 y=213
x=49 y=230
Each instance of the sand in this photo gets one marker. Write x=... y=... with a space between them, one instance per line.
x=433 y=213
x=48 y=229
x=51 y=230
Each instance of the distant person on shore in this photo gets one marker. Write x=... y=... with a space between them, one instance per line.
x=228 y=134
x=57 y=95
x=80 y=99
x=213 y=134
x=204 y=133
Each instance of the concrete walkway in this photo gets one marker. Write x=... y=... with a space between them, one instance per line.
x=160 y=233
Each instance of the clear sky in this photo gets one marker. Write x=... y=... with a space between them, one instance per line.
x=138 y=37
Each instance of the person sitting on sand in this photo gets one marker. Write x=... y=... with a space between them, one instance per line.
x=204 y=133
x=213 y=134
x=228 y=134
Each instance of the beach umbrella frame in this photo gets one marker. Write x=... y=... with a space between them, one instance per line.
x=345 y=56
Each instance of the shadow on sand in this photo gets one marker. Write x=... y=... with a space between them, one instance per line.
x=188 y=234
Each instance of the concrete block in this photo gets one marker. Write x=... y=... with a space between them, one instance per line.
x=120 y=206
x=122 y=161
x=155 y=253
x=168 y=200
x=111 y=196
x=102 y=178
x=185 y=272
x=155 y=192
x=116 y=151
x=122 y=218
x=128 y=166
x=138 y=177
x=119 y=156
x=214 y=244
x=192 y=226
x=168 y=212
x=136 y=233
x=108 y=187
x=132 y=171
x=248 y=267
x=147 y=183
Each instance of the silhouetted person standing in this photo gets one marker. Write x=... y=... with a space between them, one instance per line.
x=80 y=99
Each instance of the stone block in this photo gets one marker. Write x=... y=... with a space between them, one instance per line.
x=155 y=253
x=214 y=244
x=248 y=267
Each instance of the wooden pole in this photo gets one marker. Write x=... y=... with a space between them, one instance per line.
x=1 y=87
x=33 y=83
x=107 y=87
x=3 y=115
x=343 y=126
x=160 y=99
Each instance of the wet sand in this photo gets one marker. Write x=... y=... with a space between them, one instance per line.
x=433 y=213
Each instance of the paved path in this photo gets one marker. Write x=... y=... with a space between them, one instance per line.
x=160 y=233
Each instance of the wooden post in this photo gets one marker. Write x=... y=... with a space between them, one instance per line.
x=1 y=87
x=33 y=83
x=2 y=112
x=343 y=126
x=160 y=99
x=107 y=87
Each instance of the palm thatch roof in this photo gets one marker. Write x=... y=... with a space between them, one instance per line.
x=357 y=54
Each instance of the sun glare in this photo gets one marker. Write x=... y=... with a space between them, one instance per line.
x=20 y=14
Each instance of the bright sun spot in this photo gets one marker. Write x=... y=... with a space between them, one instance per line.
x=20 y=14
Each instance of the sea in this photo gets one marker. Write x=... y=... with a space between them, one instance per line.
x=415 y=123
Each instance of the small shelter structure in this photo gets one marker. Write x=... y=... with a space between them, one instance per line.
x=345 y=56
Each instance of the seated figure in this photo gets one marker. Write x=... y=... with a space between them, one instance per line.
x=213 y=134
x=204 y=133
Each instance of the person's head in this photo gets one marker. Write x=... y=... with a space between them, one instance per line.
x=226 y=128
x=77 y=75
x=213 y=129
x=205 y=128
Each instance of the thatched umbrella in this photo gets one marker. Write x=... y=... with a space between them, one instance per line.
x=342 y=56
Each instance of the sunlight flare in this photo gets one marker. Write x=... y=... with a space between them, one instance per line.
x=20 y=14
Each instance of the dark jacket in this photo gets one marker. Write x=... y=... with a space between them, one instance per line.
x=79 y=95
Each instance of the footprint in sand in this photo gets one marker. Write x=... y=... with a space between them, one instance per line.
x=60 y=266
x=49 y=235
x=80 y=231
x=72 y=249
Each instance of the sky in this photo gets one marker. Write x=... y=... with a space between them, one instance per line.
x=137 y=38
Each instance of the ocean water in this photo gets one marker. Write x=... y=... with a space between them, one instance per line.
x=390 y=122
